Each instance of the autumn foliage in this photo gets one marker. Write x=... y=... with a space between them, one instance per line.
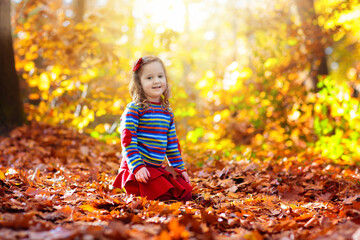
x=76 y=73
x=55 y=184
x=266 y=101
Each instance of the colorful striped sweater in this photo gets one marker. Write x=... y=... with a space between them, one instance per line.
x=148 y=135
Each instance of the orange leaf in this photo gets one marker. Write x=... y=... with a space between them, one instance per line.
x=356 y=205
x=88 y=208
x=175 y=206
x=305 y=216
x=254 y=235
x=164 y=235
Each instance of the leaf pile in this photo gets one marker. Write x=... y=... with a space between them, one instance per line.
x=56 y=184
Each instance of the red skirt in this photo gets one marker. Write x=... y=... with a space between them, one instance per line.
x=161 y=185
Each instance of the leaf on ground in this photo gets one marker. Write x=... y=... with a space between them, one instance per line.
x=56 y=184
x=2 y=175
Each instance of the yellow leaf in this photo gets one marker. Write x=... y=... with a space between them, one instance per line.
x=44 y=82
x=34 y=48
x=225 y=114
x=175 y=206
x=31 y=56
x=254 y=235
x=2 y=175
x=45 y=95
x=34 y=96
x=245 y=73
x=201 y=84
x=29 y=65
x=317 y=108
x=88 y=208
x=270 y=63
x=92 y=72
x=56 y=70
x=27 y=25
x=33 y=82
x=58 y=92
x=90 y=115
x=100 y=112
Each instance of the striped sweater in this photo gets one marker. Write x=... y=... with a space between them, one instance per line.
x=148 y=135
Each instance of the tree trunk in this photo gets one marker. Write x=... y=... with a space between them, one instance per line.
x=79 y=9
x=313 y=39
x=234 y=23
x=11 y=108
x=186 y=61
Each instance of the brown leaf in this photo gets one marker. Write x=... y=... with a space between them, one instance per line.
x=18 y=220
x=208 y=217
x=233 y=189
x=172 y=171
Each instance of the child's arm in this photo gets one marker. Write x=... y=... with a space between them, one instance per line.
x=129 y=122
x=173 y=148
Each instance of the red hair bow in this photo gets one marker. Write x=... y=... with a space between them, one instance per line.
x=137 y=64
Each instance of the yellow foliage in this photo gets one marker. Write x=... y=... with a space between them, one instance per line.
x=2 y=175
x=45 y=95
x=33 y=81
x=100 y=112
x=58 y=92
x=246 y=73
x=44 y=83
x=29 y=66
x=56 y=70
x=88 y=208
x=221 y=96
x=270 y=63
x=206 y=81
x=34 y=96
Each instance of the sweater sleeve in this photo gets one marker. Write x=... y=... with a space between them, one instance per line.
x=173 y=148
x=129 y=141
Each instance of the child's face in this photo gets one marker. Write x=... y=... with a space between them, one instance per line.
x=153 y=81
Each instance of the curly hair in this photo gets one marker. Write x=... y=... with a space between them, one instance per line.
x=136 y=91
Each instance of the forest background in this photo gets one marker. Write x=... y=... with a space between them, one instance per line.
x=264 y=74
x=246 y=77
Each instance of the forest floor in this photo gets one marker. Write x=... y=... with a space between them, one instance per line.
x=55 y=184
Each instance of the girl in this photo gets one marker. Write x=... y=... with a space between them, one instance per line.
x=148 y=135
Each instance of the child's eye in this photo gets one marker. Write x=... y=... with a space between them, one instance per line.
x=149 y=78
x=161 y=76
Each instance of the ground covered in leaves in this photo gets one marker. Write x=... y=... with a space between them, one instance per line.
x=55 y=184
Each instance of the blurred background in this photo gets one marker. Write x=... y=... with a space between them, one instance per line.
x=259 y=77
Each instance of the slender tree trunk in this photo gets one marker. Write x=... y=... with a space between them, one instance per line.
x=215 y=47
x=234 y=23
x=11 y=108
x=250 y=36
x=313 y=36
x=79 y=9
x=186 y=64
x=132 y=27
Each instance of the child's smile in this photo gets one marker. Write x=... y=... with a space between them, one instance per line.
x=153 y=81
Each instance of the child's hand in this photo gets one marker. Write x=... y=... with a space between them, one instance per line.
x=185 y=176
x=142 y=175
